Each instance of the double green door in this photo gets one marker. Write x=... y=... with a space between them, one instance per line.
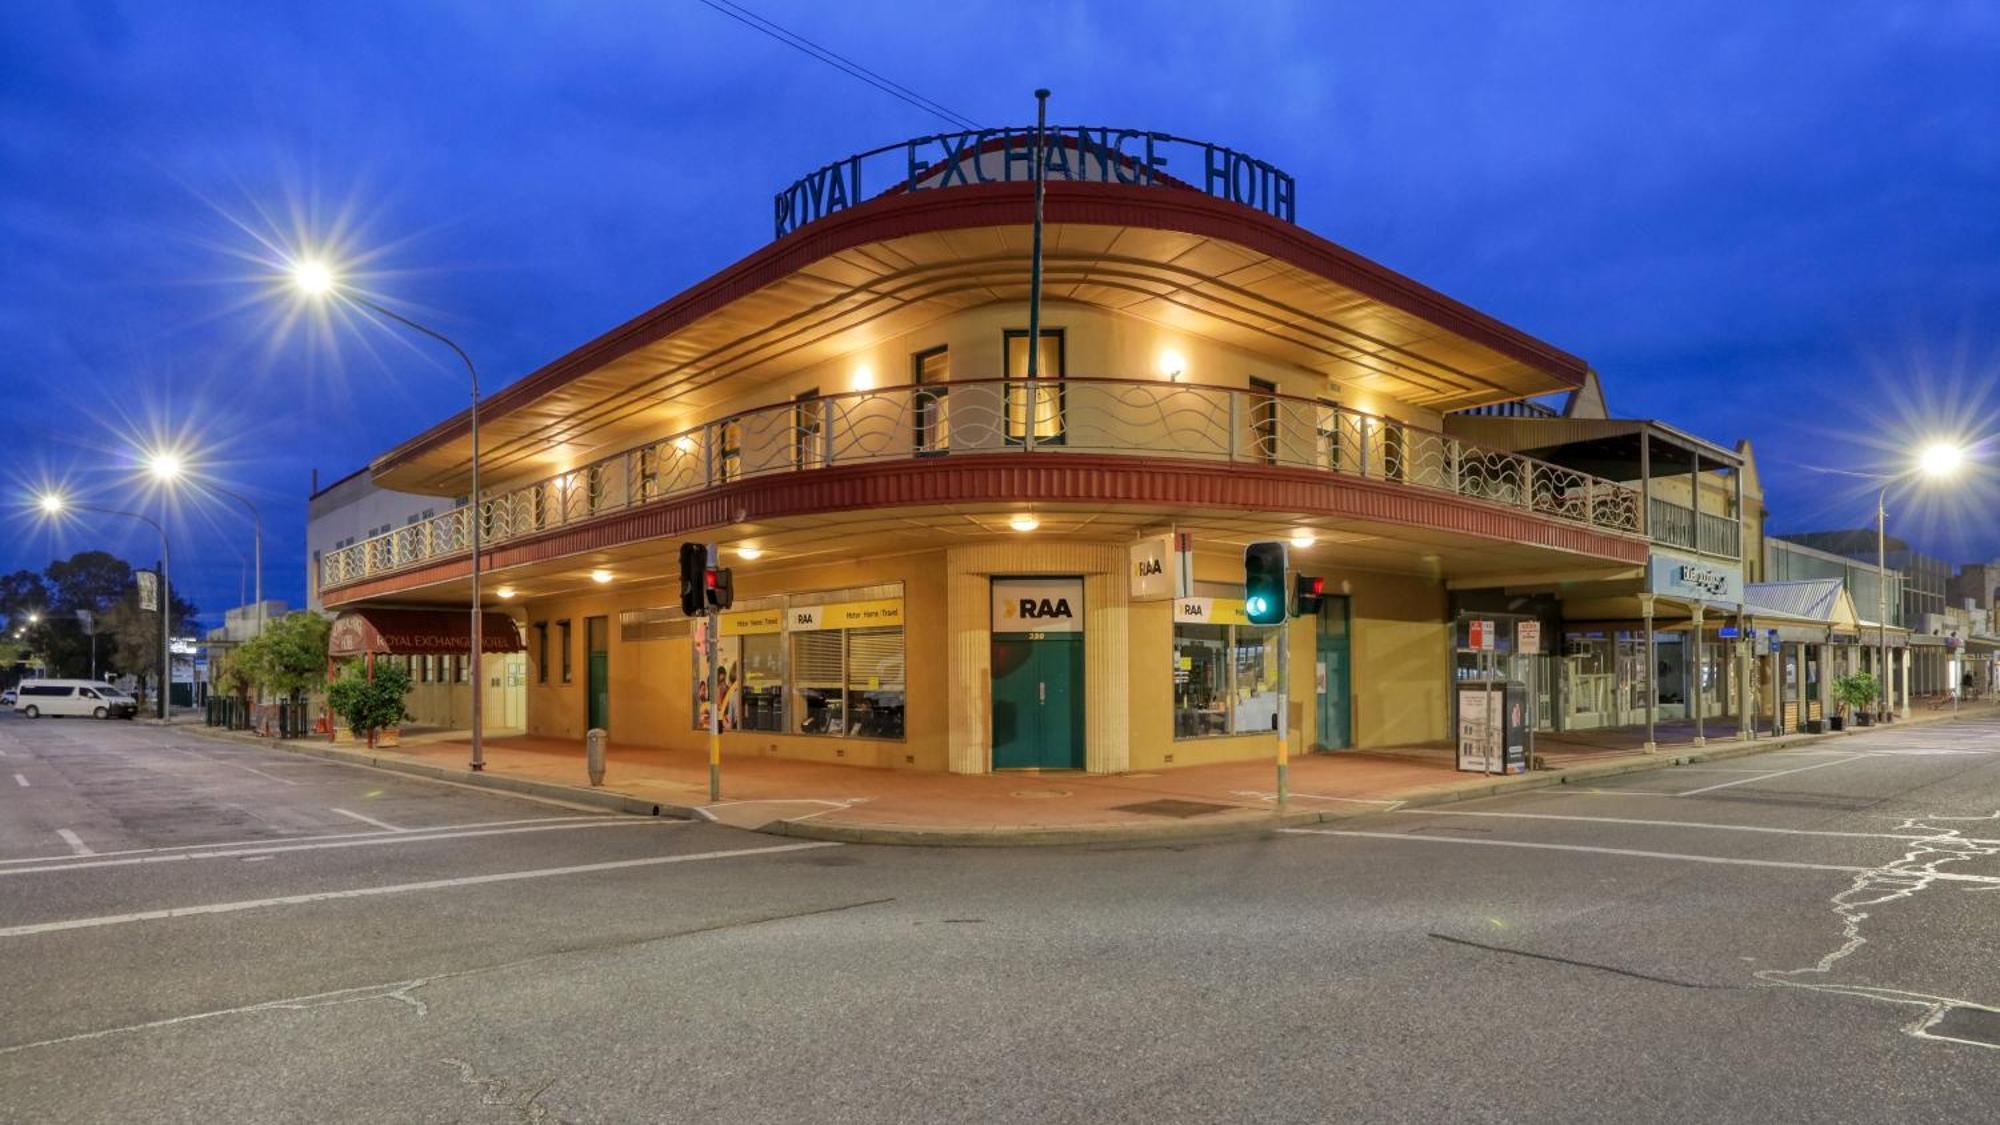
x=597 y=640
x=1038 y=701
x=1336 y=675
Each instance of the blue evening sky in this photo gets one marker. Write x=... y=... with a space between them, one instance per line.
x=1778 y=221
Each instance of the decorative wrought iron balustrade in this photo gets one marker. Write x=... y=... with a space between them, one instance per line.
x=1045 y=418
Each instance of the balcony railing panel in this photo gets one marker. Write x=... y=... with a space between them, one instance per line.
x=1175 y=421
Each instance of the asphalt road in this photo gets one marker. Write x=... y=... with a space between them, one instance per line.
x=203 y=931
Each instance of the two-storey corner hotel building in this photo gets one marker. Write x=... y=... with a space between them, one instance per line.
x=942 y=564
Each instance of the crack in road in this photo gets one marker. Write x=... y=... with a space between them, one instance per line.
x=1573 y=963
x=494 y=1092
x=1896 y=881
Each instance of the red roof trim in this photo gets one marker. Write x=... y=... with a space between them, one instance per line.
x=1008 y=204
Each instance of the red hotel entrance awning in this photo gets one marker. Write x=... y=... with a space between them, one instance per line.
x=418 y=632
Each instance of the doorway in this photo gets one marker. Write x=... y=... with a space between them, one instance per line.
x=598 y=683
x=1038 y=673
x=1334 y=676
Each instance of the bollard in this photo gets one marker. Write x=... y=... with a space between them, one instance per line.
x=593 y=755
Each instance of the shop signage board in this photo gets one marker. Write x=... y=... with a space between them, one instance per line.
x=1479 y=636
x=149 y=590
x=1493 y=727
x=842 y=615
x=1695 y=580
x=1210 y=611
x=1162 y=567
x=753 y=622
x=1528 y=638
x=1037 y=605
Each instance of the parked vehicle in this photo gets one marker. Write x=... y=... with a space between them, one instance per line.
x=7 y=698
x=93 y=698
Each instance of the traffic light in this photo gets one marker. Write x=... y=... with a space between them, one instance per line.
x=721 y=588
x=694 y=578
x=1265 y=597
x=1307 y=590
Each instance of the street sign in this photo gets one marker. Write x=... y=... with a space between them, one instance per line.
x=149 y=590
x=1528 y=638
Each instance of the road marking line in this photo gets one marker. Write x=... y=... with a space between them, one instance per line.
x=1767 y=776
x=1671 y=824
x=20 y=781
x=382 y=824
x=253 y=769
x=1732 y=861
x=277 y=848
x=282 y=840
x=74 y=841
x=398 y=888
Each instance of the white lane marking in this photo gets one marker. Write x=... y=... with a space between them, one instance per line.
x=1633 y=853
x=253 y=769
x=79 y=864
x=382 y=824
x=75 y=842
x=1390 y=804
x=20 y=781
x=1669 y=824
x=305 y=839
x=1768 y=776
x=398 y=888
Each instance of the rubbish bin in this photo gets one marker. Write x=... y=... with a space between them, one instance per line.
x=593 y=754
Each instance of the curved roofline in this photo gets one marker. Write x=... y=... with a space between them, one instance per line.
x=1008 y=204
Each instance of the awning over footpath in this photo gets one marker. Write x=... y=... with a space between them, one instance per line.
x=1826 y=603
x=418 y=632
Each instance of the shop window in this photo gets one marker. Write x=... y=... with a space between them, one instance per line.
x=562 y=643
x=1039 y=407
x=931 y=372
x=1264 y=421
x=820 y=663
x=763 y=680
x=1225 y=680
x=805 y=429
x=728 y=452
x=461 y=667
x=541 y=652
x=818 y=679
x=1327 y=425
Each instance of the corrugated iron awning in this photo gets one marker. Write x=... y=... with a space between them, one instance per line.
x=418 y=632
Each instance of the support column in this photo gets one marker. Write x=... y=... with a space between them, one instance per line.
x=1746 y=659
x=1905 y=661
x=1697 y=649
x=1648 y=674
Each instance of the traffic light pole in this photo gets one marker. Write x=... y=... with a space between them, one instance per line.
x=711 y=627
x=1284 y=706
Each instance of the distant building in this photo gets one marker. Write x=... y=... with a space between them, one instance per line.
x=1925 y=582
x=353 y=509
x=1977 y=583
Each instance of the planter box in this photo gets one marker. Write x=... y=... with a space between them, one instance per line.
x=1815 y=726
x=389 y=737
x=1836 y=723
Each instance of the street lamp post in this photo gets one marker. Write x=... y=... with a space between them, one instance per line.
x=317 y=280
x=55 y=504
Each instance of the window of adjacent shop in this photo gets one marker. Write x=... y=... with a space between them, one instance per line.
x=1225 y=669
x=541 y=652
x=1040 y=407
x=562 y=642
x=931 y=372
x=829 y=662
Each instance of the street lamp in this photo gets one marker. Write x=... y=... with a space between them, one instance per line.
x=55 y=504
x=168 y=468
x=316 y=279
x=1936 y=461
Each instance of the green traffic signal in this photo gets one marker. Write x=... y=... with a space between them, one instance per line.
x=1264 y=588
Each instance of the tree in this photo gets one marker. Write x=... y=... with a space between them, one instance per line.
x=134 y=634
x=370 y=704
x=88 y=580
x=236 y=675
x=289 y=656
x=21 y=593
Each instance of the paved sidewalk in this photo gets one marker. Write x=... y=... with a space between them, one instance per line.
x=898 y=806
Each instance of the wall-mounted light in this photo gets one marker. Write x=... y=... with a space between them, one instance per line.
x=1173 y=365
x=506 y=593
x=1303 y=537
x=864 y=378
x=1025 y=521
x=684 y=443
x=601 y=577
x=749 y=554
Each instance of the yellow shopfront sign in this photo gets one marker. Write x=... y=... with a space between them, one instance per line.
x=752 y=622
x=843 y=615
x=1210 y=611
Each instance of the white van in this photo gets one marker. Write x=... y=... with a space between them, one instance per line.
x=95 y=698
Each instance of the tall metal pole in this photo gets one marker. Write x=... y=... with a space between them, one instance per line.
x=1882 y=596
x=1034 y=395
x=166 y=616
x=710 y=630
x=474 y=523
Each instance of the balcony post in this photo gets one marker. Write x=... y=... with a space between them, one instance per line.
x=1454 y=464
x=1362 y=426
x=1527 y=482
x=1235 y=423
x=1645 y=484
x=708 y=455
x=826 y=431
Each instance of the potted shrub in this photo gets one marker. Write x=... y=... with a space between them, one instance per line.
x=372 y=704
x=1856 y=694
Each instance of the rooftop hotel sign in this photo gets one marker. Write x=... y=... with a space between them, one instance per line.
x=1086 y=153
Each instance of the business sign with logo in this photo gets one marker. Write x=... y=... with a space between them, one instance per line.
x=1479 y=636
x=754 y=622
x=1093 y=153
x=838 y=615
x=1037 y=605
x=1528 y=638
x=1210 y=611
x=149 y=590
x=1162 y=567
x=1694 y=580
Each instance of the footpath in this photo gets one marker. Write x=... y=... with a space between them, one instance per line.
x=882 y=806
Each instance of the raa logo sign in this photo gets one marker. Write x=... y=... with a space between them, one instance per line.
x=1037 y=605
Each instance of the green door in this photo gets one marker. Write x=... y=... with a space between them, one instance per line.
x=1334 y=656
x=1038 y=702
x=598 y=684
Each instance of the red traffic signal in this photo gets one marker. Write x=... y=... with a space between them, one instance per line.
x=1307 y=591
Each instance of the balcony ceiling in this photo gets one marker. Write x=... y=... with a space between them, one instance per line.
x=1180 y=259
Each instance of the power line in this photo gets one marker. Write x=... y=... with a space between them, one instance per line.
x=752 y=20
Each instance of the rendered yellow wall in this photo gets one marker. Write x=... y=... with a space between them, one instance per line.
x=651 y=681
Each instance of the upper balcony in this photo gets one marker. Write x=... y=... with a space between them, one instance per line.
x=1047 y=422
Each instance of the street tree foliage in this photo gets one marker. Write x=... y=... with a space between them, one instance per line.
x=235 y=675
x=289 y=656
x=99 y=585
x=134 y=634
x=370 y=704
